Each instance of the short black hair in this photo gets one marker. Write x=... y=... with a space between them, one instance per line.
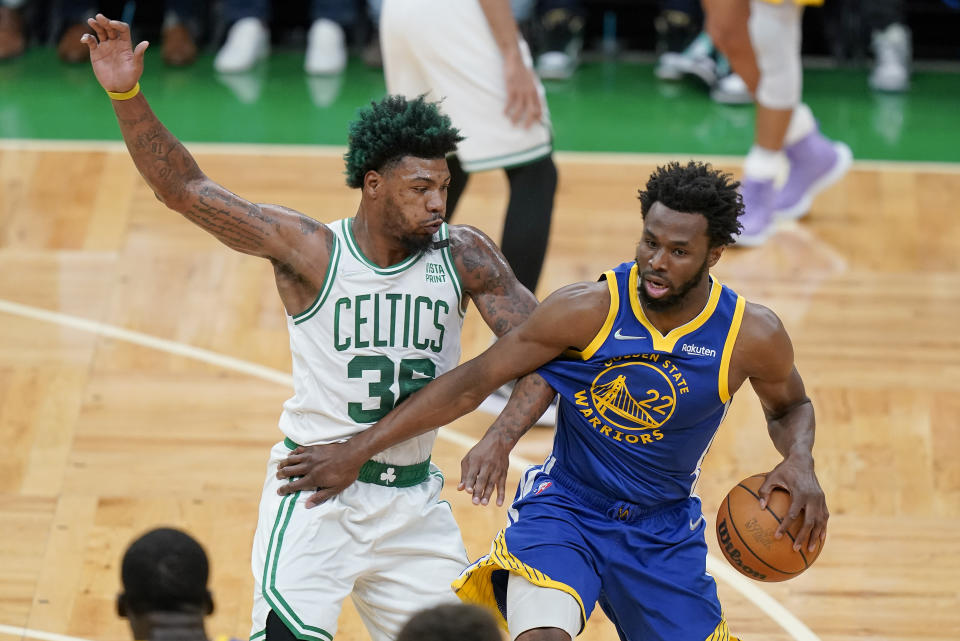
x=165 y=570
x=393 y=128
x=697 y=188
x=451 y=622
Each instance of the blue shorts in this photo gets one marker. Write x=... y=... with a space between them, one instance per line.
x=646 y=567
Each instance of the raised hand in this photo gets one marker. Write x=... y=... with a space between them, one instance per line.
x=116 y=64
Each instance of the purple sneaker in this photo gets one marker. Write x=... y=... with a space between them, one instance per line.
x=757 y=218
x=816 y=162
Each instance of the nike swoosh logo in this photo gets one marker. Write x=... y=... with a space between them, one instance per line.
x=624 y=337
x=695 y=524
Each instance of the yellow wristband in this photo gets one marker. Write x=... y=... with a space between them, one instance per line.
x=124 y=95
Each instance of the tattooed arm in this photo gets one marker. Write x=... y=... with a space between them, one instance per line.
x=288 y=238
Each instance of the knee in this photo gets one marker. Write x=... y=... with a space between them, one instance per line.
x=728 y=32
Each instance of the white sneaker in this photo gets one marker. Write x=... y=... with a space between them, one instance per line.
x=556 y=65
x=731 y=90
x=248 y=42
x=892 y=51
x=326 y=48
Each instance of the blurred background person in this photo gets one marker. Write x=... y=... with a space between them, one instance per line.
x=762 y=41
x=687 y=50
x=891 y=41
x=165 y=597
x=13 y=38
x=451 y=622
x=248 y=38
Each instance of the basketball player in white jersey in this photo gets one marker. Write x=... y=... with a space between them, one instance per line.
x=374 y=305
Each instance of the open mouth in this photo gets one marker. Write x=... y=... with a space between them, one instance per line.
x=434 y=226
x=655 y=287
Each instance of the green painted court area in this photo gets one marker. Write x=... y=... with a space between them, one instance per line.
x=607 y=106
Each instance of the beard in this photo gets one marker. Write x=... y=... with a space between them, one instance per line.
x=411 y=241
x=416 y=243
x=675 y=299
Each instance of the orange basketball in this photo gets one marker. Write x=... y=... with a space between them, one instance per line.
x=746 y=533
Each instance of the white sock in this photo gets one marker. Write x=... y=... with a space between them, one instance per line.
x=802 y=123
x=763 y=164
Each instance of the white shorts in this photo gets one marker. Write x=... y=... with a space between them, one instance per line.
x=393 y=550
x=445 y=49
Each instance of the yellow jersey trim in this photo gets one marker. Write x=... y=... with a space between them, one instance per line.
x=666 y=343
x=724 y=378
x=474 y=584
x=604 y=332
x=721 y=632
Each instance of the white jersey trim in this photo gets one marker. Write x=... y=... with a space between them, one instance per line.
x=327 y=285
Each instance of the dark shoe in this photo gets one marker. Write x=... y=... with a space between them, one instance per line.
x=12 y=42
x=70 y=49
x=179 y=49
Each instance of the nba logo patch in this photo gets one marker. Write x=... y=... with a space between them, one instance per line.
x=542 y=487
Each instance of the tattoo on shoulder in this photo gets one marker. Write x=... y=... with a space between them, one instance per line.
x=308 y=226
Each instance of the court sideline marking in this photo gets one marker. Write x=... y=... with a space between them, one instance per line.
x=717 y=567
x=335 y=151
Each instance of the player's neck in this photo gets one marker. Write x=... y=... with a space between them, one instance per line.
x=377 y=246
x=169 y=626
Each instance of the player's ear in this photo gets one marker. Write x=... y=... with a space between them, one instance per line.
x=372 y=183
x=713 y=255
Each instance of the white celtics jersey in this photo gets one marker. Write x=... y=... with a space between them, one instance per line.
x=373 y=336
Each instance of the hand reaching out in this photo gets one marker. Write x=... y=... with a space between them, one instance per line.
x=116 y=64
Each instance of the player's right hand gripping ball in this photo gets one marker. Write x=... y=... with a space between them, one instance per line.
x=746 y=533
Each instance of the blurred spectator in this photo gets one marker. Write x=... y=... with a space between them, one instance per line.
x=165 y=596
x=891 y=44
x=248 y=40
x=763 y=41
x=456 y=622
x=688 y=51
x=12 y=37
x=559 y=24
x=179 y=45
x=74 y=14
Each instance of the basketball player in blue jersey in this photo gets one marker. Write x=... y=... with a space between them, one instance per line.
x=375 y=305
x=645 y=361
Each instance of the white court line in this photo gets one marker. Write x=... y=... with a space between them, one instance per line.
x=334 y=151
x=26 y=633
x=717 y=567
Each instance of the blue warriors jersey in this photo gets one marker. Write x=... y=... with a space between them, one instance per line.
x=638 y=410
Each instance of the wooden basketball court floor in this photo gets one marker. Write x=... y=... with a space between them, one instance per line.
x=143 y=365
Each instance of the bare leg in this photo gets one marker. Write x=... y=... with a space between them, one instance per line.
x=726 y=22
x=770 y=127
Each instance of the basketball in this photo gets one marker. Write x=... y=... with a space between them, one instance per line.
x=746 y=533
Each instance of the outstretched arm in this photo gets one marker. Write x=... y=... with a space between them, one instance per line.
x=764 y=354
x=570 y=317
x=282 y=235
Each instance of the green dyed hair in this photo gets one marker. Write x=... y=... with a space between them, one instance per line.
x=395 y=127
